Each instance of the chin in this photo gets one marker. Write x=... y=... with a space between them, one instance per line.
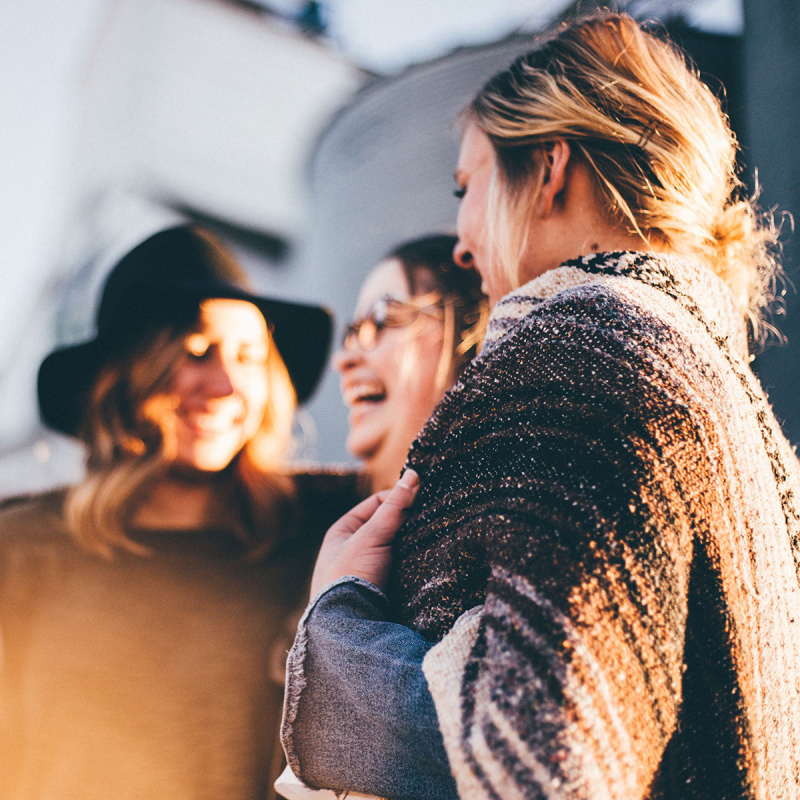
x=210 y=454
x=363 y=448
x=204 y=463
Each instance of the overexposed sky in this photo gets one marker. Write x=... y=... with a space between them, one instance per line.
x=386 y=35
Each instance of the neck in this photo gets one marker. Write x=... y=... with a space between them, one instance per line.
x=587 y=239
x=177 y=502
x=574 y=226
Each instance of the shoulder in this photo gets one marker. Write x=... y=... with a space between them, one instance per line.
x=326 y=493
x=32 y=511
x=596 y=312
x=32 y=527
x=589 y=335
x=588 y=356
x=621 y=303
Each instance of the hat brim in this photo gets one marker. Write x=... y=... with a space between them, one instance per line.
x=302 y=334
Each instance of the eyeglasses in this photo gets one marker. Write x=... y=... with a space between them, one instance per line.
x=388 y=312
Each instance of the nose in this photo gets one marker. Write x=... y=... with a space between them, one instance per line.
x=345 y=358
x=217 y=381
x=462 y=256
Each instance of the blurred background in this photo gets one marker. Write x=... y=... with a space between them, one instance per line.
x=312 y=136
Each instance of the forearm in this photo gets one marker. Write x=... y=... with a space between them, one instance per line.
x=359 y=714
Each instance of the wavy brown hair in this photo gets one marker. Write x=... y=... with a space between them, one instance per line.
x=428 y=265
x=653 y=135
x=129 y=451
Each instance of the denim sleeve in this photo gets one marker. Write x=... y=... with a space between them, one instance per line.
x=358 y=713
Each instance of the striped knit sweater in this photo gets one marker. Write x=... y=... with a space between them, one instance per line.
x=608 y=495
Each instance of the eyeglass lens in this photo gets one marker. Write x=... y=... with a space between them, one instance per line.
x=387 y=312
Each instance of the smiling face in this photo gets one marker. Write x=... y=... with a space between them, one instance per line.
x=391 y=389
x=219 y=389
x=476 y=166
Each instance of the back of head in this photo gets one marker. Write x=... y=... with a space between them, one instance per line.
x=652 y=133
x=428 y=265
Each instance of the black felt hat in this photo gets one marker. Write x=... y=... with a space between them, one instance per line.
x=162 y=280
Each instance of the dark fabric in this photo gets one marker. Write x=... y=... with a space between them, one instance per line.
x=608 y=483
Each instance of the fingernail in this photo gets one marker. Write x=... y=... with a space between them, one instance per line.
x=409 y=479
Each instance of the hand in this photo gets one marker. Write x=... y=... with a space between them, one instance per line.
x=360 y=543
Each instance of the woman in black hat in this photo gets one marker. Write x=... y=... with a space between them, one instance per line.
x=143 y=612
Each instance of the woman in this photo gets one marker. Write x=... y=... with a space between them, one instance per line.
x=419 y=321
x=597 y=583
x=143 y=611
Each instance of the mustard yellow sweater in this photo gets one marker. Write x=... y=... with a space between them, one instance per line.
x=147 y=677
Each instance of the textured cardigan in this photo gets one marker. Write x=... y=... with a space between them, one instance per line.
x=608 y=496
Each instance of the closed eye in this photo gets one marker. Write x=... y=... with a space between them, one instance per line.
x=256 y=356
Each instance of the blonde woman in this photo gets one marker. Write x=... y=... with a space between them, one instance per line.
x=143 y=611
x=595 y=593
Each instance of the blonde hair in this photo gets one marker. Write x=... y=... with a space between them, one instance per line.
x=652 y=133
x=129 y=451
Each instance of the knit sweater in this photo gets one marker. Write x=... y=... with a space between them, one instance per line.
x=157 y=676
x=607 y=495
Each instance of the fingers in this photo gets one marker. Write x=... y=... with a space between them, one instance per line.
x=358 y=515
x=404 y=491
x=395 y=503
x=360 y=542
x=401 y=495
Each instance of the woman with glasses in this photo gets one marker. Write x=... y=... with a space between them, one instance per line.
x=595 y=591
x=419 y=319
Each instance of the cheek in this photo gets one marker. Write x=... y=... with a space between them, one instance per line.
x=257 y=396
x=421 y=390
x=464 y=223
x=474 y=212
x=183 y=383
x=389 y=359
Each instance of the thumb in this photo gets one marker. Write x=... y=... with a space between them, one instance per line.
x=402 y=494
x=392 y=512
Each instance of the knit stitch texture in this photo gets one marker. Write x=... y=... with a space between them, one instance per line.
x=607 y=490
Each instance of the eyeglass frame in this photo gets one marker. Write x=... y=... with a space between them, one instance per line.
x=430 y=305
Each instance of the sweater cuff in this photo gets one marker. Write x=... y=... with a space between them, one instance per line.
x=295 y=663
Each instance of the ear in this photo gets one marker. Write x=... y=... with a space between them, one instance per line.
x=556 y=158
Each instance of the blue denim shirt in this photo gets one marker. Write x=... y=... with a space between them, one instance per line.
x=358 y=714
